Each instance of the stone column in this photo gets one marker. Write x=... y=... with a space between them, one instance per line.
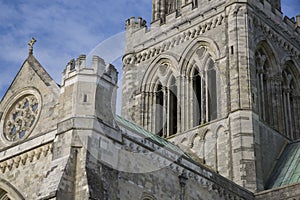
x=190 y=104
x=151 y=113
x=155 y=10
x=182 y=102
x=294 y=116
x=289 y=111
x=281 y=107
x=179 y=100
x=285 y=112
x=143 y=97
x=202 y=101
x=165 y=111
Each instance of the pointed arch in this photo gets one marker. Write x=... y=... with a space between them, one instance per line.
x=147 y=196
x=200 y=81
x=291 y=99
x=151 y=71
x=210 y=142
x=159 y=99
x=268 y=76
x=211 y=46
x=9 y=192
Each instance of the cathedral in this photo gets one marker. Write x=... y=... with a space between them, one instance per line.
x=210 y=111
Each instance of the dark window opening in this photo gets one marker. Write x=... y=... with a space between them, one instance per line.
x=159 y=111
x=197 y=98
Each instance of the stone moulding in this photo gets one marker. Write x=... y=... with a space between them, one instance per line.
x=275 y=37
x=22 y=118
x=136 y=58
x=26 y=157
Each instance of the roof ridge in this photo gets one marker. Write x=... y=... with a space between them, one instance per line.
x=152 y=136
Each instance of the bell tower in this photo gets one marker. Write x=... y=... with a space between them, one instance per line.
x=161 y=8
x=214 y=77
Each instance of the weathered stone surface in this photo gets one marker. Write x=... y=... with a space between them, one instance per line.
x=217 y=78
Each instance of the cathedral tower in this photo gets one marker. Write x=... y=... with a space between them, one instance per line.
x=218 y=78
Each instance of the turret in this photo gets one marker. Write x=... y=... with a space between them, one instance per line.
x=276 y=4
x=89 y=91
x=298 y=21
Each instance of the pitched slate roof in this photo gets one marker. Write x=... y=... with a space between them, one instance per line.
x=132 y=126
x=287 y=170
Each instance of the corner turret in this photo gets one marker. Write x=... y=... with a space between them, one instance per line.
x=89 y=91
x=133 y=24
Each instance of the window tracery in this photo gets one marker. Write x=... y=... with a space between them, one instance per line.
x=291 y=102
x=204 y=83
x=21 y=118
x=277 y=94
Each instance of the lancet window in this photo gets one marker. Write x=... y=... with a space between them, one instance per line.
x=161 y=103
x=291 y=102
x=277 y=94
x=204 y=84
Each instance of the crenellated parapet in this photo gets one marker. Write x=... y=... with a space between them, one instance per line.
x=283 y=31
x=135 y=24
x=98 y=68
x=273 y=14
x=144 y=43
x=88 y=90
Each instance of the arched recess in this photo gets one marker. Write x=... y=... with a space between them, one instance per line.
x=291 y=99
x=223 y=152
x=210 y=150
x=147 y=196
x=200 y=83
x=198 y=146
x=268 y=83
x=159 y=97
x=9 y=192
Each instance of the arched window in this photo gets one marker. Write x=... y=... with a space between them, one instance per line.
x=166 y=109
x=291 y=101
x=147 y=196
x=3 y=195
x=9 y=192
x=204 y=94
x=268 y=85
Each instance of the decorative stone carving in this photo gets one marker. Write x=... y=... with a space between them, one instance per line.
x=21 y=118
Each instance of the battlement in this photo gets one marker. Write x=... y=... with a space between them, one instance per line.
x=297 y=21
x=135 y=24
x=273 y=11
x=189 y=15
x=98 y=68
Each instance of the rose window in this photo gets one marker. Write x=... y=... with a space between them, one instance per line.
x=21 y=118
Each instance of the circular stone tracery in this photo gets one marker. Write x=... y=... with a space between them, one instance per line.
x=21 y=118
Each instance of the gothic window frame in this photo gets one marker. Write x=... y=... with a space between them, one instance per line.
x=160 y=73
x=291 y=101
x=11 y=107
x=268 y=78
x=147 y=196
x=9 y=192
x=200 y=61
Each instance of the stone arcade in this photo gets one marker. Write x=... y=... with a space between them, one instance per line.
x=211 y=108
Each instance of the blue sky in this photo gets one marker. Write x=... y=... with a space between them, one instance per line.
x=65 y=29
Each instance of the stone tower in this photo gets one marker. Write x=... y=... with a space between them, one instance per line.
x=220 y=79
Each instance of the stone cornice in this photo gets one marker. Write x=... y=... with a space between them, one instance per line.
x=24 y=158
x=139 y=57
x=282 y=39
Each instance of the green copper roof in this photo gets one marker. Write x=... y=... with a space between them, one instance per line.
x=128 y=124
x=287 y=171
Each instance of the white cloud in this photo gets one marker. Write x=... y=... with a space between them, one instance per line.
x=66 y=29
